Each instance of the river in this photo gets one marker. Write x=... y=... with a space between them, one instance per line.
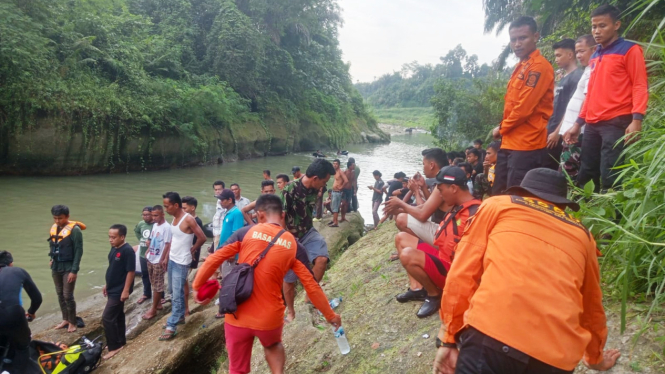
x=102 y=200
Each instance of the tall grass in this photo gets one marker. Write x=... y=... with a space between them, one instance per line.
x=631 y=218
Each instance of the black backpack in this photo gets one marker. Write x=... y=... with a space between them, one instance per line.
x=237 y=286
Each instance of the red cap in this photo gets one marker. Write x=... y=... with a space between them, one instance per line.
x=208 y=290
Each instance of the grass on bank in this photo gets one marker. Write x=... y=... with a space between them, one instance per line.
x=421 y=117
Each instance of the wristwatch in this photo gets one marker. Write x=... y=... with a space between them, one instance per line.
x=440 y=344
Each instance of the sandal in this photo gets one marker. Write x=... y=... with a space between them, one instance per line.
x=141 y=300
x=333 y=225
x=167 y=335
x=219 y=315
x=394 y=257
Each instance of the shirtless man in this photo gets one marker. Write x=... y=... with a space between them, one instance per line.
x=337 y=193
x=349 y=188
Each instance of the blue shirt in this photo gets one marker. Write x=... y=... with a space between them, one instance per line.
x=233 y=221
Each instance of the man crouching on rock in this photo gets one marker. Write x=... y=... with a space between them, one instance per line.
x=523 y=294
x=262 y=314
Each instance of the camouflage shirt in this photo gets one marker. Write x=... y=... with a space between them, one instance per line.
x=298 y=202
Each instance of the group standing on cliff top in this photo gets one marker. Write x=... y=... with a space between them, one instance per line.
x=484 y=237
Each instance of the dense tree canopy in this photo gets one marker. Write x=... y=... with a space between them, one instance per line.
x=176 y=65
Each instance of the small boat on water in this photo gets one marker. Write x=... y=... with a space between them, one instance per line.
x=318 y=154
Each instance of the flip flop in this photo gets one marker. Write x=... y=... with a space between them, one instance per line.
x=333 y=225
x=146 y=318
x=141 y=300
x=218 y=316
x=394 y=257
x=167 y=335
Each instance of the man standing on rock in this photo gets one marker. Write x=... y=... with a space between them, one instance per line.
x=66 y=250
x=179 y=257
x=524 y=295
x=348 y=190
x=158 y=244
x=262 y=314
x=337 y=192
x=119 y=285
x=142 y=231
x=299 y=200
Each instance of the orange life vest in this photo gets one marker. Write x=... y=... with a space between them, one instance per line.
x=61 y=245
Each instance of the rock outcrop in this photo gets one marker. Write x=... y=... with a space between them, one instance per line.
x=48 y=149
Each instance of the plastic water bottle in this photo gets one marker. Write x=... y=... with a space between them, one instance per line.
x=334 y=303
x=342 y=343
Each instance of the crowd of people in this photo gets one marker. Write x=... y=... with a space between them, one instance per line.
x=484 y=236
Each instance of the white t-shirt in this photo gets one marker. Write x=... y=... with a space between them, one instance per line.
x=575 y=104
x=159 y=237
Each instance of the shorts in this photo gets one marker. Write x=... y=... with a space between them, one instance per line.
x=435 y=268
x=347 y=194
x=425 y=231
x=336 y=200
x=156 y=274
x=239 y=342
x=316 y=247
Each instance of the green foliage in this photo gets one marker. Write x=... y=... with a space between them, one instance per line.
x=422 y=117
x=413 y=86
x=467 y=109
x=143 y=67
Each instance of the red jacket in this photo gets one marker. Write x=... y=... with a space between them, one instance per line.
x=618 y=83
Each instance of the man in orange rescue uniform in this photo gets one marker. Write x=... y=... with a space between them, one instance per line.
x=523 y=294
x=262 y=315
x=529 y=103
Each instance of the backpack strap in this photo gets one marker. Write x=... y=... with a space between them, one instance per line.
x=265 y=252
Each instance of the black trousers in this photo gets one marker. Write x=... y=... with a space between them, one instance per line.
x=354 y=203
x=552 y=159
x=113 y=320
x=145 y=277
x=601 y=151
x=14 y=327
x=481 y=354
x=512 y=166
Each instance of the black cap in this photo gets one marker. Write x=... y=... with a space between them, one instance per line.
x=546 y=184
x=294 y=169
x=226 y=194
x=451 y=175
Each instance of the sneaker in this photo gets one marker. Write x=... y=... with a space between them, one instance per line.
x=429 y=307
x=411 y=295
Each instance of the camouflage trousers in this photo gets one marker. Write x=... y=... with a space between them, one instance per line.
x=570 y=158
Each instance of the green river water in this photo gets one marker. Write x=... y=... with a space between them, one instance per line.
x=102 y=200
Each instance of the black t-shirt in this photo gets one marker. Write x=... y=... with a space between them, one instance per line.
x=479 y=169
x=562 y=93
x=12 y=279
x=394 y=185
x=197 y=254
x=121 y=261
